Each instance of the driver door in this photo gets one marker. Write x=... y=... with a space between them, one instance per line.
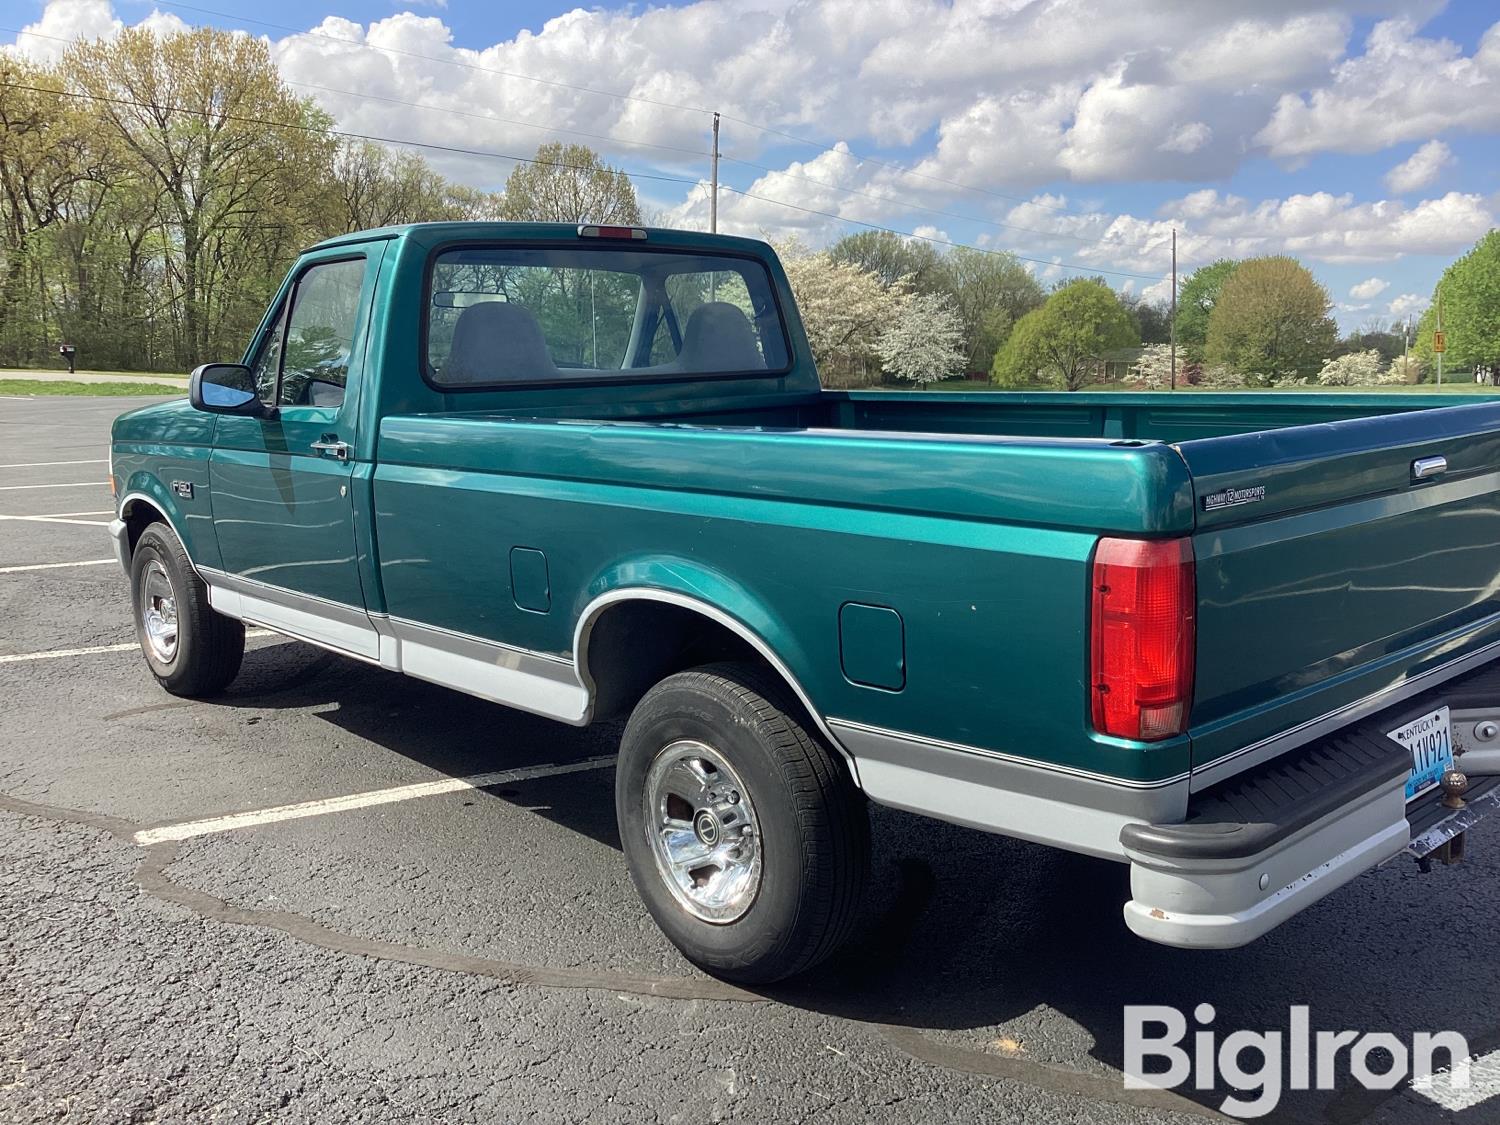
x=280 y=485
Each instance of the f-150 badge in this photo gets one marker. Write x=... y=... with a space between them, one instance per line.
x=183 y=488
x=1233 y=497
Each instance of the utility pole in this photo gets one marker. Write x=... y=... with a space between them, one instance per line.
x=1442 y=345
x=1172 y=324
x=1406 y=349
x=713 y=199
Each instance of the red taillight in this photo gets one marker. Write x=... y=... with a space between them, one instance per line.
x=1141 y=638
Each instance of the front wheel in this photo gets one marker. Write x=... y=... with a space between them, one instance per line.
x=745 y=837
x=191 y=649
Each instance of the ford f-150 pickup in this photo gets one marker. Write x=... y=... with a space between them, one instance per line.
x=1244 y=643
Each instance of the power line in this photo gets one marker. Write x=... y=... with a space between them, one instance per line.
x=914 y=206
x=502 y=120
x=770 y=130
x=394 y=141
x=944 y=241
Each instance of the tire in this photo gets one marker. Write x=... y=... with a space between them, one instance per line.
x=753 y=915
x=191 y=650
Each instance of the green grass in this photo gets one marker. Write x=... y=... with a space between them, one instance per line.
x=110 y=390
x=21 y=373
x=1465 y=387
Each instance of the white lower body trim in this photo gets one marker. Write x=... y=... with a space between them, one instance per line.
x=537 y=682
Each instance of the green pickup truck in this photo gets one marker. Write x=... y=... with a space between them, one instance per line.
x=1246 y=644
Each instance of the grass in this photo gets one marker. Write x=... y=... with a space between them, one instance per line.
x=109 y=390
x=21 y=373
x=1466 y=386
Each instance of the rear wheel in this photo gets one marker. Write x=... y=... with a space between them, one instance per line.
x=745 y=837
x=191 y=649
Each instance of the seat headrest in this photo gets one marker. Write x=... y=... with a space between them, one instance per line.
x=719 y=337
x=497 y=342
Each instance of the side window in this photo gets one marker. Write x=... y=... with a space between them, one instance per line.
x=320 y=334
x=267 y=363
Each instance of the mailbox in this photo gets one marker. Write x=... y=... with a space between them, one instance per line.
x=68 y=352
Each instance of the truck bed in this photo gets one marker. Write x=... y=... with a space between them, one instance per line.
x=1316 y=593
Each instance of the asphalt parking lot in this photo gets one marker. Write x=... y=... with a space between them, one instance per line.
x=415 y=948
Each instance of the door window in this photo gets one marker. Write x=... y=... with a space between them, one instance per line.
x=319 y=337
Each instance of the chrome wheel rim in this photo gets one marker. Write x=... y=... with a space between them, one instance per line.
x=158 y=611
x=703 y=831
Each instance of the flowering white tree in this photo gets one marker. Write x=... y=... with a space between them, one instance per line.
x=1357 y=369
x=924 y=341
x=843 y=308
x=1218 y=377
x=1405 y=369
x=1153 y=371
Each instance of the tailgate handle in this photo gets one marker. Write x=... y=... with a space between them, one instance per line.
x=1425 y=467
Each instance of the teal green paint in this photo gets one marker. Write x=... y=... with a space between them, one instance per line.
x=529 y=585
x=872 y=646
x=972 y=516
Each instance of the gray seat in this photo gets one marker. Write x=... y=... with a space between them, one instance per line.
x=719 y=337
x=497 y=342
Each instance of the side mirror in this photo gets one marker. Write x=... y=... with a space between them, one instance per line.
x=227 y=388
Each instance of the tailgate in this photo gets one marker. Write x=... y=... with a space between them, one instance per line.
x=1341 y=567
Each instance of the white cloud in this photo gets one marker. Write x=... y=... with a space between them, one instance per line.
x=1369 y=288
x=63 y=21
x=1401 y=88
x=1419 y=169
x=1408 y=304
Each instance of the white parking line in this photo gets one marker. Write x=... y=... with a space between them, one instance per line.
x=46 y=464
x=100 y=484
x=212 y=825
x=56 y=519
x=1484 y=1084
x=55 y=653
x=92 y=650
x=52 y=566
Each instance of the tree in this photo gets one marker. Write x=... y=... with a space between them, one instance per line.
x=991 y=292
x=1153 y=371
x=924 y=342
x=1353 y=369
x=1195 y=302
x=843 y=310
x=1063 y=342
x=892 y=258
x=1470 y=292
x=570 y=184
x=1271 y=321
x=194 y=117
x=1153 y=319
x=378 y=187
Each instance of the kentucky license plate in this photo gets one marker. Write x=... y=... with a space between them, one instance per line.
x=1430 y=740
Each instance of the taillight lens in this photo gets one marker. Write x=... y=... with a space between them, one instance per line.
x=1142 y=634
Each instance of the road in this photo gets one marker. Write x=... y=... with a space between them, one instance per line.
x=406 y=947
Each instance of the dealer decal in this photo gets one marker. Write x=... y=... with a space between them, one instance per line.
x=1233 y=497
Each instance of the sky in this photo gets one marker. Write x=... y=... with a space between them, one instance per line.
x=1358 y=136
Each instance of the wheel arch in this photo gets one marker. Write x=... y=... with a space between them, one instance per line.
x=666 y=616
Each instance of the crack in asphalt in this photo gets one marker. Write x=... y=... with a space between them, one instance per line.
x=152 y=878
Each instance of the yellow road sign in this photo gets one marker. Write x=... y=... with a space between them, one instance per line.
x=1439 y=342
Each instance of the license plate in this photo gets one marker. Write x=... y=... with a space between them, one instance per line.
x=1430 y=740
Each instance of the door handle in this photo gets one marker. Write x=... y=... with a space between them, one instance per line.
x=331 y=446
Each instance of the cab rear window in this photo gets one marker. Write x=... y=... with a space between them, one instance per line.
x=503 y=316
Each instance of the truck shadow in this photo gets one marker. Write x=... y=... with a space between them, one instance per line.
x=988 y=947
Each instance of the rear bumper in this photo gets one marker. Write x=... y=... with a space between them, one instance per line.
x=1267 y=845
